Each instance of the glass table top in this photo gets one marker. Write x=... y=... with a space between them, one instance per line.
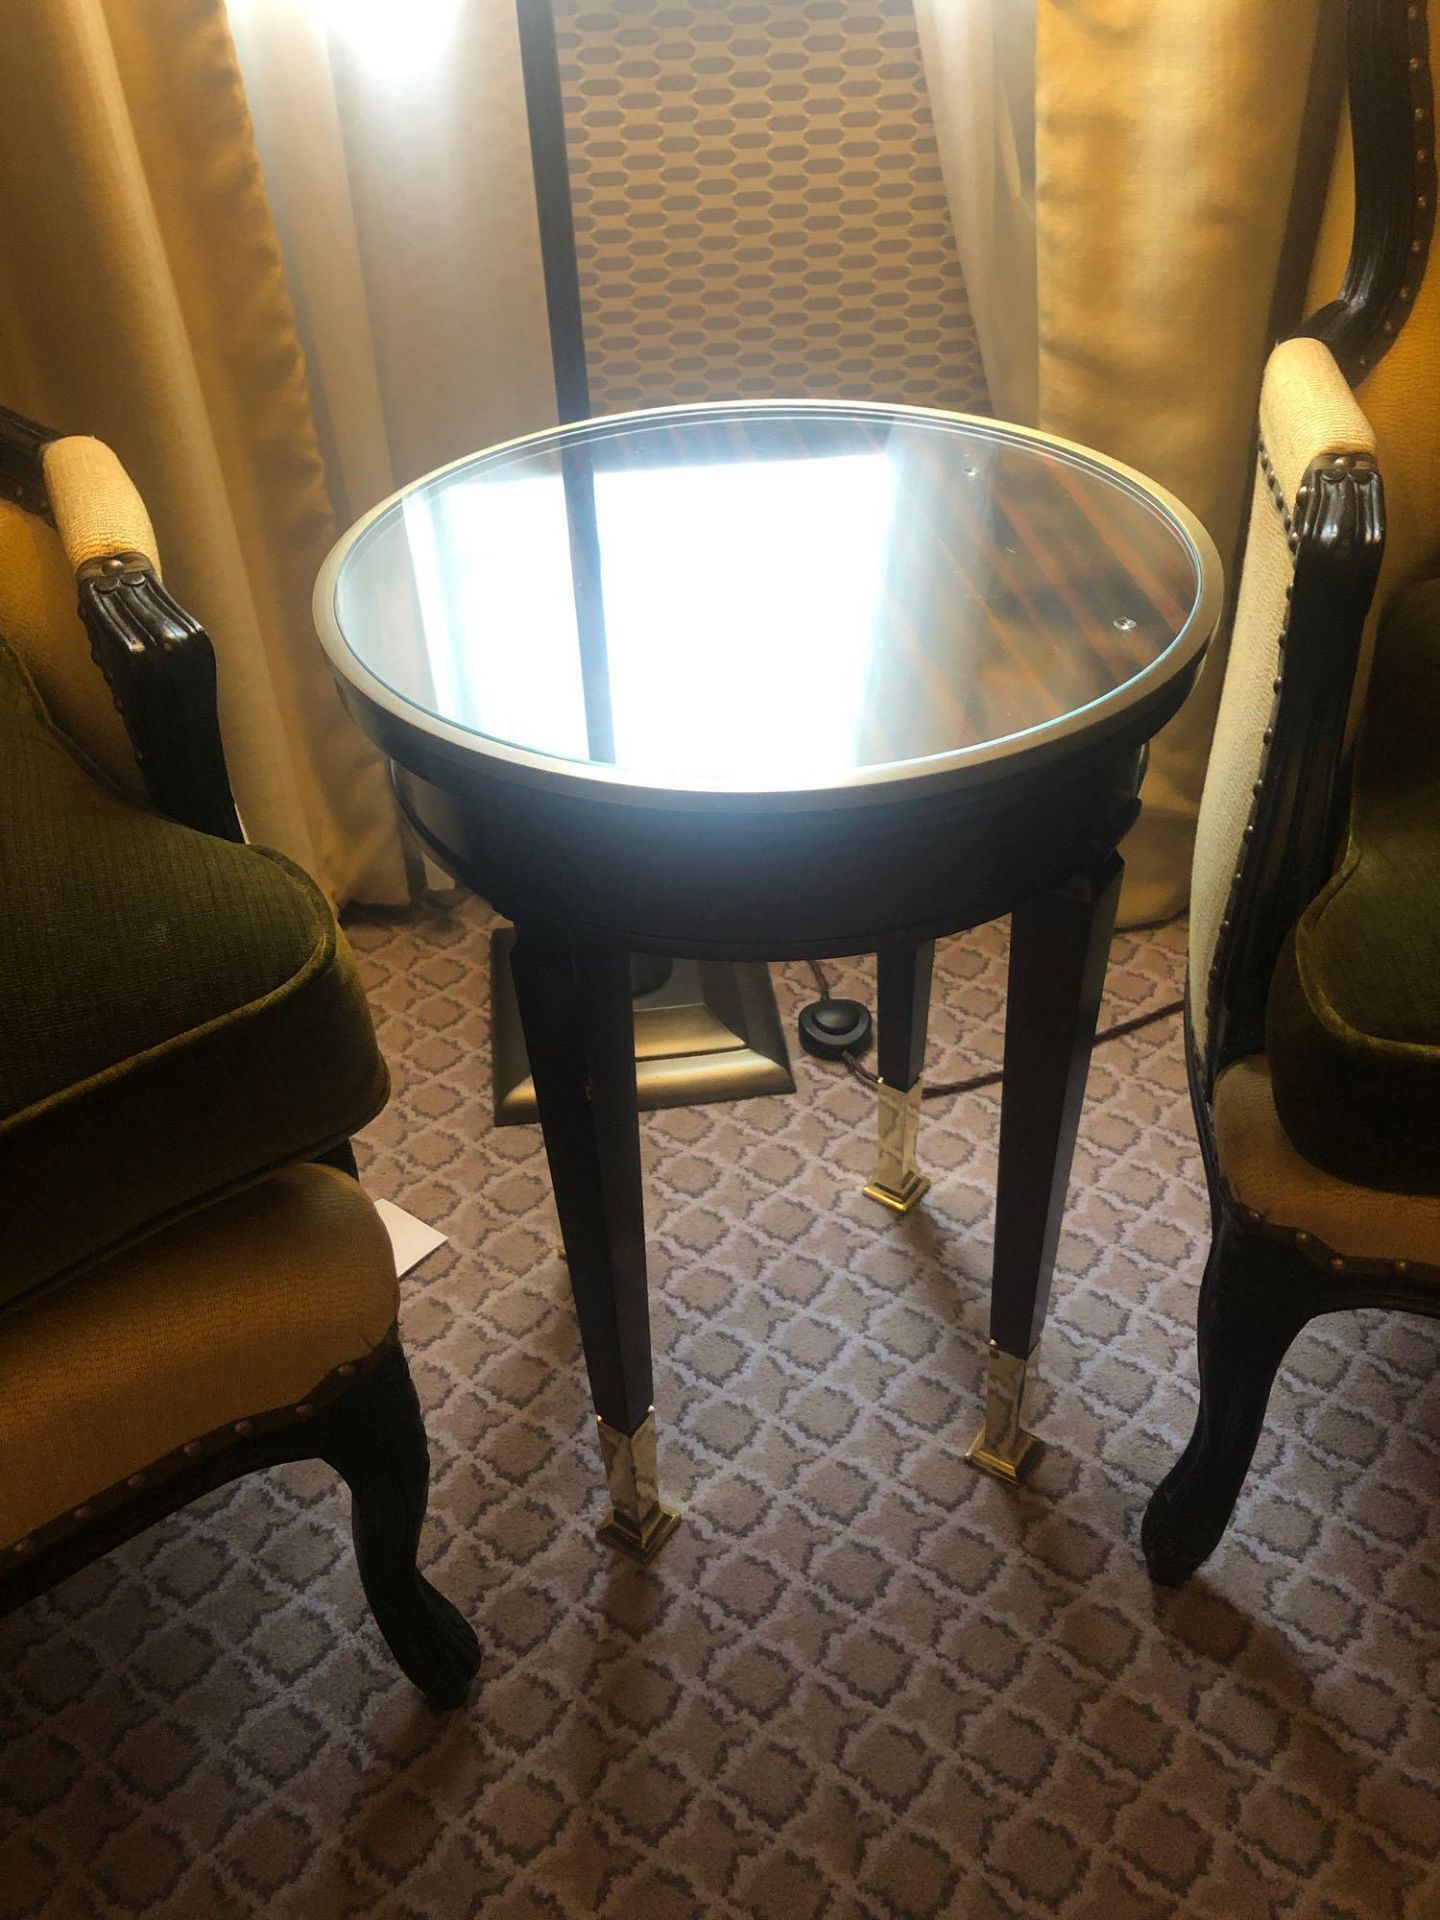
x=767 y=597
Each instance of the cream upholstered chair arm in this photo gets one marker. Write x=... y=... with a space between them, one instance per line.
x=1288 y=633
x=156 y=663
x=40 y=620
x=98 y=513
x=73 y=508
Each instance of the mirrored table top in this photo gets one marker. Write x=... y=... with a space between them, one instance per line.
x=768 y=597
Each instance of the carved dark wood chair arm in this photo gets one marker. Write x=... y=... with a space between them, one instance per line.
x=1392 y=118
x=156 y=659
x=1302 y=798
x=160 y=666
x=22 y=477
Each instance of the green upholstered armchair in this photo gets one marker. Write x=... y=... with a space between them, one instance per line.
x=192 y=1282
x=1313 y=1015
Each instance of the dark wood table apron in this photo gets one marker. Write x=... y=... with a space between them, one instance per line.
x=886 y=861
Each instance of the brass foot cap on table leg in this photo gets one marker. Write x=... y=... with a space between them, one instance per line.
x=902 y=1199
x=640 y=1522
x=1004 y=1446
x=1004 y=1466
x=643 y=1543
x=897 y=1182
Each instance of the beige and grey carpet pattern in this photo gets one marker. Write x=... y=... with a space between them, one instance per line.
x=759 y=208
x=862 y=1680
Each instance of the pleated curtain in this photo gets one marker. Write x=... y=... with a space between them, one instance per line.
x=1124 y=180
x=143 y=299
x=1129 y=183
x=394 y=141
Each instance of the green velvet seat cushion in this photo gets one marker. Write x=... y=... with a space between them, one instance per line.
x=1353 y=1020
x=178 y=1015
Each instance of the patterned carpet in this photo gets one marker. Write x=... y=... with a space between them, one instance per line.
x=862 y=1680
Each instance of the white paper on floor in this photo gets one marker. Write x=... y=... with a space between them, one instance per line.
x=410 y=1238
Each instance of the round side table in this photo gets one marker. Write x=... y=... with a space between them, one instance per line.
x=773 y=681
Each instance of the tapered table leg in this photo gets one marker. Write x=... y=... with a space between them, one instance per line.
x=575 y=1007
x=902 y=977
x=1059 y=944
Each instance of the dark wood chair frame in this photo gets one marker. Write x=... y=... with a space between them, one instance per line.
x=364 y=1420
x=1262 y=1284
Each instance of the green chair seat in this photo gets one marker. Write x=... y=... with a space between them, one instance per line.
x=182 y=1013
x=1353 y=1017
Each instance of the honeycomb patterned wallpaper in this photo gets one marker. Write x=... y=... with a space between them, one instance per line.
x=759 y=208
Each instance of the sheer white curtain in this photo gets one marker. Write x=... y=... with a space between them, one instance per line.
x=393 y=137
x=1121 y=175
x=979 y=58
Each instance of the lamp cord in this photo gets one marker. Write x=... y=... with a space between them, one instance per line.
x=943 y=1089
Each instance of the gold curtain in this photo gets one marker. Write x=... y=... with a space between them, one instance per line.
x=142 y=299
x=1167 y=142
x=1140 y=230
x=980 y=77
x=397 y=155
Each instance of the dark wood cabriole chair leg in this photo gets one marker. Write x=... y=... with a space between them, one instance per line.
x=375 y=1439
x=1254 y=1299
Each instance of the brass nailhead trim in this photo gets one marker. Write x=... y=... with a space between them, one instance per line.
x=1320 y=1253
x=1420 y=113
x=191 y=1450
x=1340 y=463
